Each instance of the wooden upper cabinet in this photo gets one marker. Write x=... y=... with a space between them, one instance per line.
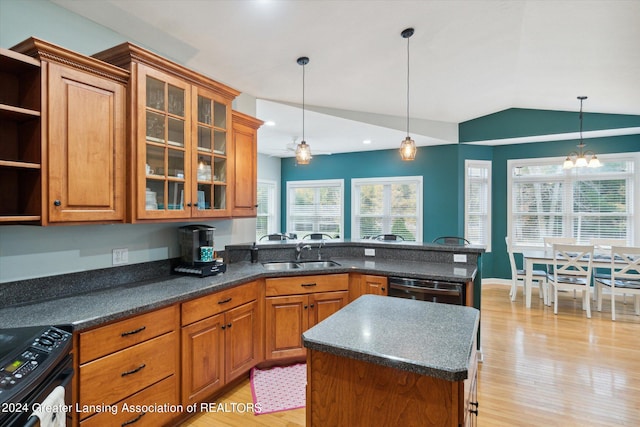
x=245 y=145
x=180 y=134
x=86 y=172
x=83 y=136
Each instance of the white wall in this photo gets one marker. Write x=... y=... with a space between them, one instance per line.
x=32 y=251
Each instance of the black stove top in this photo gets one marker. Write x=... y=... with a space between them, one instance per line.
x=27 y=355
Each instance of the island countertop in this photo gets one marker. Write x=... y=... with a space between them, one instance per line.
x=416 y=336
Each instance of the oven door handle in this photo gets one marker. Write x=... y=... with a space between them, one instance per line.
x=424 y=290
x=65 y=378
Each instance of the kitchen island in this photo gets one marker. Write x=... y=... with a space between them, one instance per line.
x=390 y=361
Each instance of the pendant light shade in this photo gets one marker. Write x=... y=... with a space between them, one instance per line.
x=408 y=146
x=303 y=151
x=581 y=158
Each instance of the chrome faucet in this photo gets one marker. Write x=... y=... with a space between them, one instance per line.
x=319 y=248
x=299 y=247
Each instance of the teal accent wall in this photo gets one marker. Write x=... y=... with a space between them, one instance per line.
x=520 y=122
x=439 y=166
x=442 y=169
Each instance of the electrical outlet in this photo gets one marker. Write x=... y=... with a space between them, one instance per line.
x=459 y=257
x=369 y=252
x=120 y=256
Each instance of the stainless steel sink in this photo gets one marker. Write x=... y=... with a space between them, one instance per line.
x=293 y=265
x=280 y=265
x=318 y=264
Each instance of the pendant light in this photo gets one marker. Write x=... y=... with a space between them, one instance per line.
x=579 y=159
x=303 y=151
x=408 y=146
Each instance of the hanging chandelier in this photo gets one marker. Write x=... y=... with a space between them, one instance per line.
x=578 y=159
x=303 y=151
x=408 y=146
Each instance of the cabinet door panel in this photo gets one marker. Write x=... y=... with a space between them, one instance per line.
x=86 y=146
x=211 y=154
x=325 y=304
x=202 y=358
x=163 y=143
x=287 y=318
x=245 y=194
x=242 y=340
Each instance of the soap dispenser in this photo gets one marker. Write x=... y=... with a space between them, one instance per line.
x=254 y=253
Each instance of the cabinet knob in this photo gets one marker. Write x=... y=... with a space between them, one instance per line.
x=305 y=307
x=189 y=204
x=311 y=305
x=228 y=325
x=223 y=327
x=57 y=203
x=383 y=289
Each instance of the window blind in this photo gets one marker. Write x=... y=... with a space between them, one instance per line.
x=584 y=203
x=387 y=206
x=478 y=202
x=315 y=207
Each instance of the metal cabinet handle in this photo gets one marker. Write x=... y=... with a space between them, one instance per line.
x=135 y=420
x=224 y=301
x=228 y=325
x=135 y=331
x=306 y=285
x=133 y=371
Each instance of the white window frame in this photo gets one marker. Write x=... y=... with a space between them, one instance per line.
x=632 y=194
x=272 y=200
x=482 y=164
x=319 y=183
x=355 y=207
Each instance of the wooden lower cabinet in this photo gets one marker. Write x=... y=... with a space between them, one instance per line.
x=287 y=317
x=221 y=347
x=119 y=361
x=414 y=399
x=154 y=406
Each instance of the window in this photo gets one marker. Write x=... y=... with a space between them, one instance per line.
x=387 y=206
x=266 y=217
x=585 y=203
x=315 y=207
x=477 y=207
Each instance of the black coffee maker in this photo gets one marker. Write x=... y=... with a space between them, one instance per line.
x=197 y=251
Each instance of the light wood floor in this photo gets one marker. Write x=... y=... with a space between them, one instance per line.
x=539 y=369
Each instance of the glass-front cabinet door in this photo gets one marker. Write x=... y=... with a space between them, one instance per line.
x=164 y=157
x=210 y=156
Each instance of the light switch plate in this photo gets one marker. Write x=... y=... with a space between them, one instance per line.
x=459 y=257
x=369 y=252
x=120 y=256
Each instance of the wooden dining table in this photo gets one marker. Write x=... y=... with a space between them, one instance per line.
x=545 y=257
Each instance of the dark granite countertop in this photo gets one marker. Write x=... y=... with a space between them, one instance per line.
x=416 y=336
x=89 y=309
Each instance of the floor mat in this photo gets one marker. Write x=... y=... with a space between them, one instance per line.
x=279 y=389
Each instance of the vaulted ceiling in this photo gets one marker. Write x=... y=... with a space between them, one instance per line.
x=468 y=58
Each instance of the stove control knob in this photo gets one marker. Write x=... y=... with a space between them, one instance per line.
x=44 y=340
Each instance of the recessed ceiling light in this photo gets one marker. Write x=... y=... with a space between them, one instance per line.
x=270 y=123
x=366 y=141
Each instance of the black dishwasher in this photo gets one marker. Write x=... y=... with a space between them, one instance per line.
x=427 y=290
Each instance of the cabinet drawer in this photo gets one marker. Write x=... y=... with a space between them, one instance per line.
x=307 y=284
x=209 y=305
x=161 y=395
x=117 y=336
x=114 y=377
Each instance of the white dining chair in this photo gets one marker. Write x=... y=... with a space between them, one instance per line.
x=519 y=275
x=572 y=268
x=550 y=241
x=602 y=247
x=624 y=278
